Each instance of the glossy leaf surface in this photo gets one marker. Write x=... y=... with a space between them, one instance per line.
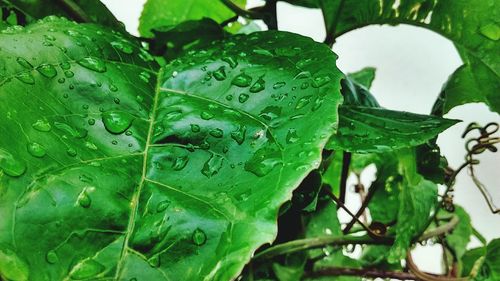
x=118 y=171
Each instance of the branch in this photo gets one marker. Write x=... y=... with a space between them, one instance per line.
x=319 y=242
x=365 y=272
x=242 y=12
x=78 y=13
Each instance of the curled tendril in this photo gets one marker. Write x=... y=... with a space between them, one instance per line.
x=474 y=146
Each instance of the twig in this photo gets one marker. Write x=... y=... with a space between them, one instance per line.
x=77 y=13
x=365 y=272
x=426 y=276
x=361 y=210
x=343 y=206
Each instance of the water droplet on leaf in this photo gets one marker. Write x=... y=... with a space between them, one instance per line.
x=212 y=166
x=263 y=161
x=51 y=257
x=47 y=70
x=199 y=237
x=219 y=74
x=84 y=199
x=243 y=98
x=93 y=63
x=24 y=63
x=258 y=86
x=206 y=115
x=239 y=134
x=42 y=125
x=242 y=80
x=117 y=122
x=26 y=78
x=36 y=149
x=10 y=165
x=180 y=162
x=216 y=133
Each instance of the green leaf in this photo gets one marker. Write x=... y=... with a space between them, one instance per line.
x=163 y=13
x=337 y=259
x=80 y=10
x=170 y=42
x=490 y=268
x=470 y=259
x=472 y=25
x=331 y=176
x=114 y=170
x=417 y=199
x=461 y=234
x=471 y=82
x=384 y=205
x=376 y=256
x=364 y=77
x=12 y=267
x=356 y=94
x=364 y=129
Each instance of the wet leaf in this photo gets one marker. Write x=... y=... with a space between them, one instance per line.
x=146 y=173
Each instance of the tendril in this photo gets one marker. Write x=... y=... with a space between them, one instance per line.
x=475 y=146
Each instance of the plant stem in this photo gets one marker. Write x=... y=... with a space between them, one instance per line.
x=346 y=162
x=318 y=242
x=365 y=272
x=76 y=12
x=271 y=18
x=330 y=30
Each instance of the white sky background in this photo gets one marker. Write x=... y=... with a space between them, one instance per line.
x=412 y=65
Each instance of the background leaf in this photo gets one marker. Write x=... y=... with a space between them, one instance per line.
x=472 y=25
x=80 y=10
x=165 y=13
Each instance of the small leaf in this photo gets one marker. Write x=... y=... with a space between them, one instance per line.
x=460 y=237
x=364 y=129
x=417 y=199
x=364 y=77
